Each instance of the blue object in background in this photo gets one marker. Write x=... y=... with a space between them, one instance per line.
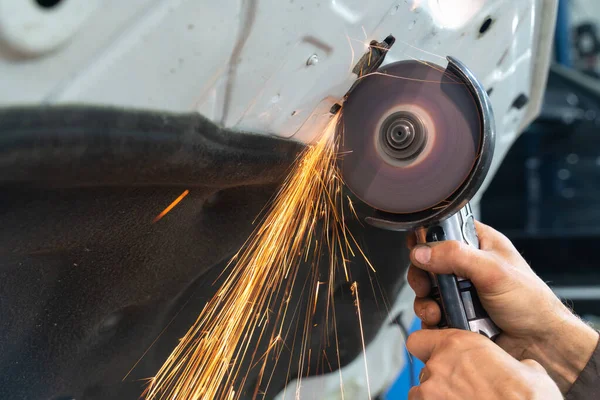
x=562 y=35
x=409 y=376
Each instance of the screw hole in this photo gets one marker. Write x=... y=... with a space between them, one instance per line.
x=485 y=26
x=48 y=3
x=520 y=101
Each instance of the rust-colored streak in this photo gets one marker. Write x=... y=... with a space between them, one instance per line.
x=171 y=206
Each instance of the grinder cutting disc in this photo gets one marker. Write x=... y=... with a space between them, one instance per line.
x=411 y=135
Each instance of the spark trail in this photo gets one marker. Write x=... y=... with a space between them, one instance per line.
x=306 y=218
x=171 y=206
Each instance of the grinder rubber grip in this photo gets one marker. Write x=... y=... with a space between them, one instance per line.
x=457 y=297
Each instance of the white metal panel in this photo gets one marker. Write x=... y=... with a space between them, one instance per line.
x=385 y=357
x=29 y=29
x=244 y=63
x=30 y=79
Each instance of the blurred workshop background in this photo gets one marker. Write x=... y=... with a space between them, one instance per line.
x=545 y=195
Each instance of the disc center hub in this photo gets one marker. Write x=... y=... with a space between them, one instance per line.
x=402 y=136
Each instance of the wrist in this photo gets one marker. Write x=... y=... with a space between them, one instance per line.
x=565 y=350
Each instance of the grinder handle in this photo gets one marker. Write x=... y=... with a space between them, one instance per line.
x=457 y=297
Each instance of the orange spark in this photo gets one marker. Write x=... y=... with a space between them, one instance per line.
x=252 y=304
x=352 y=54
x=409 y=79
x=207 y=363
x=420 y=49
x=362 y=335
x=170 y=206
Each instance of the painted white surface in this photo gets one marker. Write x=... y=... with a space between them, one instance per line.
x=28 y=29
x=244 y=63
x=385 y=358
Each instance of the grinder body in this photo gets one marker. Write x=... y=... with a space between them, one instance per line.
x=418 y=141
x=457 y=297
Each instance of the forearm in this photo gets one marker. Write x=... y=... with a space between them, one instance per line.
x=566 y=352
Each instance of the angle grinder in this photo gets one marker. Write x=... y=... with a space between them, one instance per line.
x=417 y=143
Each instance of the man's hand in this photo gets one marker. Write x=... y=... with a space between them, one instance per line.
x=465 y=365
x=535 y=324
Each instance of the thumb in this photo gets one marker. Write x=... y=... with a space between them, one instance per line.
x=423 y=343
x=453 y=257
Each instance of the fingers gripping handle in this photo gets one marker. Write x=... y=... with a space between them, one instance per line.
x=458 y=299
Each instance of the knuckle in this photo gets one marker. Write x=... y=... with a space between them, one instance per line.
x=447 y=251
x=455 y=339
x=435 y=365
x=411 y=278
x=417 y=281
x=504 y=241
x=415 y=393
x=457 y=249
x=412 y=340
x=417 y=306
x=490 y=238
x=533 y=365
x=409 y=343
x=430 y=390
x=419 y=310
x=458 y=342
x=454 y=342
x=432 y=312
x=517 y=389
x=499 y=272
x=411 y=274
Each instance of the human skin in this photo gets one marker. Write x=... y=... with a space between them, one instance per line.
x=535 y=324
x=466 y=365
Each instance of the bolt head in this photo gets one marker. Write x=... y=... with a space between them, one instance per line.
x=312 y=60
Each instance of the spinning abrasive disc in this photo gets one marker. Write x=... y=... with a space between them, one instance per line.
x=410 y=137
